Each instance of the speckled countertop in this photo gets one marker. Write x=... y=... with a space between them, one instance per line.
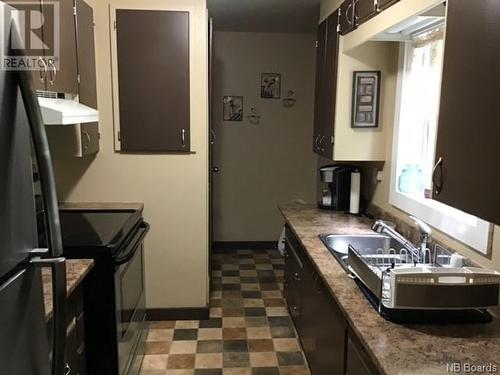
x=395 y=349
x=76 y=270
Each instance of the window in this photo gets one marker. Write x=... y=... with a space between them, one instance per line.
x=415 y=140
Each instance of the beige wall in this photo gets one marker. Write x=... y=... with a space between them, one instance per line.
x=270 y=163
x=364 y=144
x=173 y=187
x=381 y=194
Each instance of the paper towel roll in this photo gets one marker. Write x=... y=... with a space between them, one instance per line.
x=355 y=192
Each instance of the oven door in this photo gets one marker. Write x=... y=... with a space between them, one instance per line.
x=130 y=301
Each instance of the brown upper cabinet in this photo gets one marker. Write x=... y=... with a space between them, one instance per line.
x=384 y=4
x=319 y=85
x=60 y=75
x=355 y=12
x=364 y=10
x=87 y=82
x=326 y=86
x=347 y=22
x=38 y=76
x=467 y=157
x=153 y=82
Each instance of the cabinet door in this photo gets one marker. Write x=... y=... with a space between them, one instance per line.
x=62 y=75
x=468 y=131
x=330 y=91
x=87 y=90
x=329 y=357
x=384 y=4
x=365 y=9
x=153 y=82
x=358 y=362
x=320 y=84
x=346 y=19
x=310 y=306
x=87 y=87
x=293 y=273
x=38 y=76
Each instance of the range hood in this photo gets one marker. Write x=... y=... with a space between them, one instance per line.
x=66 y=112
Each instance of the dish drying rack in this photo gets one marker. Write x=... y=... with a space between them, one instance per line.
x=400 y=281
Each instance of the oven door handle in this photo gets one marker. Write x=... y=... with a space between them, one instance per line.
x=132 y=247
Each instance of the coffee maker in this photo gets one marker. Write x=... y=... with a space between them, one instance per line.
x=337 y=196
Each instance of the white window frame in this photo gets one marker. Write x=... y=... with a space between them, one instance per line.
x=465 y=228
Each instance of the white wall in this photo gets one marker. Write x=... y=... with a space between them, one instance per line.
x=270 y=163
x=174 y=188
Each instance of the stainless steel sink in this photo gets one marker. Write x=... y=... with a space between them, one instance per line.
x=377 y=247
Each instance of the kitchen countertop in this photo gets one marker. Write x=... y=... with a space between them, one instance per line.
x=76 y=270
x=101 y=206
x=395 y=349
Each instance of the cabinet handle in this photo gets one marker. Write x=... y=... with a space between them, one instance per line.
x=354 y=15
x=52 y=73
x=67 y=369
x=183 y=137
x=438 y=186
x=347 y=14
x=296 y=276
x=43 y=73
x=214 y=136
x=321 y=143
x=87 y=137
x=316 y=142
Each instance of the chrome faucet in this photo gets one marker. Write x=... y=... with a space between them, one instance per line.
x=382 y=227
x=419 y=254
x=425 y=234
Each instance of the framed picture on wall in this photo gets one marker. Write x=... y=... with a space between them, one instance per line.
x=365 y=99
x=232 y=107
x=270 y=85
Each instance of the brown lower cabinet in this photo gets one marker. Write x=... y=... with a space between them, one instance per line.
x=321 y=325
x=357 y=360
x=75 y=340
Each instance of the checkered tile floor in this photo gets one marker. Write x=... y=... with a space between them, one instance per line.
x=249 y=331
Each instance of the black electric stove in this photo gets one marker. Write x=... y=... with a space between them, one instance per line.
x=97 y=228
x=114 y=293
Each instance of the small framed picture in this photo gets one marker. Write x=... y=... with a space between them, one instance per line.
x=365 y=99
x=232 y=108
x=270 y=85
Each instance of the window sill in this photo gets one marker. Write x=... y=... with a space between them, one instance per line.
x=463 y=227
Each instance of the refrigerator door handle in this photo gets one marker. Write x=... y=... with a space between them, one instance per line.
x=49 y=195
x=58 y=267
x=42 y=151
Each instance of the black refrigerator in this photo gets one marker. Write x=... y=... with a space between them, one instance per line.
x=24 y=337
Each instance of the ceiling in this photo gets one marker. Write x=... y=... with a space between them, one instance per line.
x=270 y=16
